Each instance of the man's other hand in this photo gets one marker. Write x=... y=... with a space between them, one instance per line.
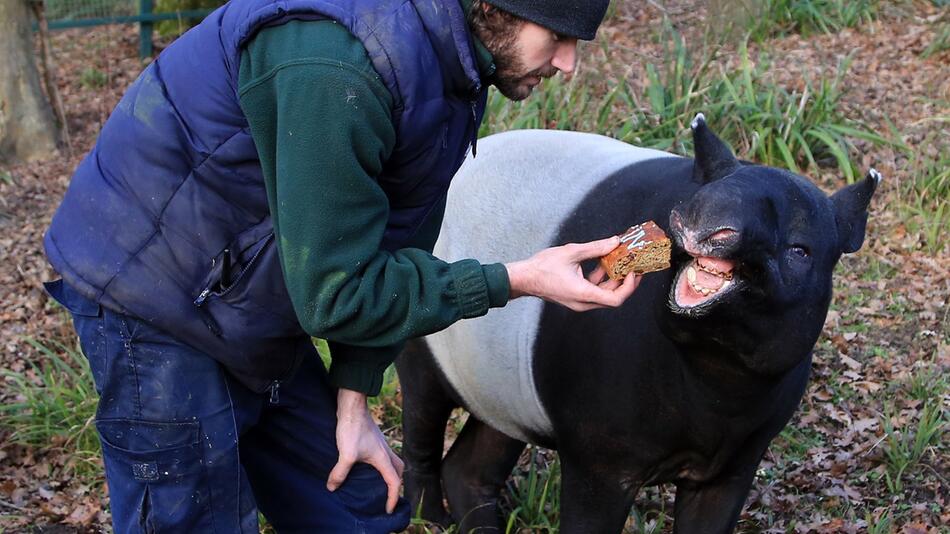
x=555 y=275
x=359 y=439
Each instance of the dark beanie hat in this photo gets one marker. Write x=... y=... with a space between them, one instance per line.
x=574 y=18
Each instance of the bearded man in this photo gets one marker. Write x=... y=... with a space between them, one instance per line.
x=280 y=172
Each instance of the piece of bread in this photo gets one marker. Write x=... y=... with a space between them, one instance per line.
x=644 y=248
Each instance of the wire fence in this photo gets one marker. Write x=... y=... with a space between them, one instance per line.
x=62 y=14
x=89 y=9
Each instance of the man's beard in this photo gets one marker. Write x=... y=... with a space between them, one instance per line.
x=511 y=76
x=499 y=33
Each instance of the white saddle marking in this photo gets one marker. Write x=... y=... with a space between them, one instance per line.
x=505 y=205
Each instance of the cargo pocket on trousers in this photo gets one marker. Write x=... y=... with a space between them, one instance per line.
x=156 y=474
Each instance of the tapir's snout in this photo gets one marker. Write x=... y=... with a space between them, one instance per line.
x=709 y=275
x=720 y=240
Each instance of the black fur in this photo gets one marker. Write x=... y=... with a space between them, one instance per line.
x=654 y=392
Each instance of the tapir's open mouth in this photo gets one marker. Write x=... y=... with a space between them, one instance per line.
x=701 y=283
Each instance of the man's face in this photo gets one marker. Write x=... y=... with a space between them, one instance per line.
x=525 y=54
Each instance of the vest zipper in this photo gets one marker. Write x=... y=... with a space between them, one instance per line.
x=226 y=270
x=202 y=297
x=474 y=130
x=274 y=391
x=208 y=319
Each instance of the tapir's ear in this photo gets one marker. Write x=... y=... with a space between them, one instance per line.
x=714 y=160
x=851 y=210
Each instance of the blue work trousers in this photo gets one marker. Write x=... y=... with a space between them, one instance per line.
x=189 y=449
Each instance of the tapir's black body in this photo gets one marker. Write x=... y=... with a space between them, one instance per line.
x=644 y=394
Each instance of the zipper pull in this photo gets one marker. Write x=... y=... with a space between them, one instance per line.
x=274 y=392
x=202 y=297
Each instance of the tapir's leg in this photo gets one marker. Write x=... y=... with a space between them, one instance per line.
x=474 y=471
x=594 y=499
x=713 y=507
x=426 y=406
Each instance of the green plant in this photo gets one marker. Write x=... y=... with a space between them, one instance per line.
x=535 y=496
x=779 y=17
x=556 y=104
x=650 y=521
x=941 y=40
x=793 y=443
x=925 y=199
x=180 y=26
x=93 y=78
x=927 y=384
x=883 y=524
x=674 y=93
x=904 y=449
x=760 y=119
x=54 y=406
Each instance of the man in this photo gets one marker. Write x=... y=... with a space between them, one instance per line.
x=279 y=172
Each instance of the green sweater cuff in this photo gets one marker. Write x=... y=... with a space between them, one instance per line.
x=499 y=287
x=360 y=368
x=471 y=289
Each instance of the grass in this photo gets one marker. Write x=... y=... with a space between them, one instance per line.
x=794 y=443
x=941 y=42
x=762 y=120
x=780 y=17
x=906 y=446
x=925 y=199
x=54 y=406
x=535 y=496
x=93 y=78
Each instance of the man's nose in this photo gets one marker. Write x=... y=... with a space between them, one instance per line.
x=565 y=56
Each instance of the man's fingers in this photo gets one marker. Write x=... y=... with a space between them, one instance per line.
x=610 y=294
x=597 y=275
x=397 y=462
x=610 y=284
x=384 y=464
x=338 y=473
x=593 y=249
x=630 y=284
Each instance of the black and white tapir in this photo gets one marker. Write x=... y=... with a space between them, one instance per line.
x=686 y=383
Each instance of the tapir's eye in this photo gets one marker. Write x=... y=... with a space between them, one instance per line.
x=799 y=251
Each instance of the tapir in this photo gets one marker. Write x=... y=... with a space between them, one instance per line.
x=686 y=383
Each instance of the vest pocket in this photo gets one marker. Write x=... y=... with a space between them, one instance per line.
x=245 y=304
x=247 y=275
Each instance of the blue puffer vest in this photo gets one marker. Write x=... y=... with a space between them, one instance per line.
x=167 y=218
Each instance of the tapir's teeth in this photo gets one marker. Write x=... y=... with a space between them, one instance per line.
x=691 y=274
x=705 y=291
x=726 y=284
x=713 y=271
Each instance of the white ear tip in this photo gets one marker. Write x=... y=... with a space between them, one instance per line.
x=697 y=120
x=876 y=175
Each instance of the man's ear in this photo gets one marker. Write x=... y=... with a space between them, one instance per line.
x=851 y=211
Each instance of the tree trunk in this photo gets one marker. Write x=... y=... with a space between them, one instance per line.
x=27 y=129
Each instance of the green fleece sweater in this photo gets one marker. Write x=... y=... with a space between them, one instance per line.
x=321 y=118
